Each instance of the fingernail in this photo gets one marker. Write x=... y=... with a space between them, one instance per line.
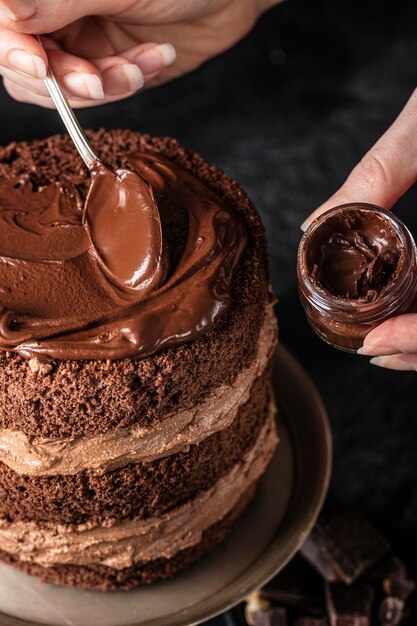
x=372 y=348
x=27 y=63
x=379 y=361
x=18 y=9
x=305 y=225
x=365 y=350
x=122 y=79
x=156 y=58
x=397 y=362
x=83 y=85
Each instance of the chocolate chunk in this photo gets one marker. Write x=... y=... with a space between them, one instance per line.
x=349 y=606
x=398 y=584
x=298 y=585
x=391 y=611
x=392 y=575
x=343 y=546
x=400 y=588
x=275 y=616
x=259 y=612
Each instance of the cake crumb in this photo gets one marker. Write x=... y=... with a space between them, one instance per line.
x=38 y=367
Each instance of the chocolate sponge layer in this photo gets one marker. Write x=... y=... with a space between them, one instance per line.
x=106 y=578
x=93 y=396
x=137 y=490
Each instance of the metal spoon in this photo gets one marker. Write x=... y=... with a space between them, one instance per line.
x=119 y=247
x=68 y=117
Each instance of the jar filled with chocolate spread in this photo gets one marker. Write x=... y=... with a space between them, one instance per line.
x=356 y=267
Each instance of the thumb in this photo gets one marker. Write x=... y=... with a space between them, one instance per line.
x=386 y=171
x=44 y=16
x=393 y=344
x=396 y=334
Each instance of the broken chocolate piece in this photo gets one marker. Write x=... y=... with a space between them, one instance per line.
x=392 y=576
x=349 y=606
x=400 y=588
x=391 y=611
x=259 y=612
x=298 y=585
x=398 y=584
x=255 y=603
x=276 y=616
x=343 y=546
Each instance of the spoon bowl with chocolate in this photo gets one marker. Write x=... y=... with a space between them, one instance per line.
x=119 y=207
x=356 y=267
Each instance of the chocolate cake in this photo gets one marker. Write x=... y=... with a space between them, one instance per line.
x=136 y=409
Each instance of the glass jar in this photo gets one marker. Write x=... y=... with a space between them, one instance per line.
x=343 y=321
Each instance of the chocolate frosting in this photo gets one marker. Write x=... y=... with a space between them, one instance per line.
x=120 y=544
x=354 y=255
x=100 y=453
x=92 y=280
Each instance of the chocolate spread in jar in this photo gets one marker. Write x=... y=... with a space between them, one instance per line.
x=356 y=267
x=355 y=255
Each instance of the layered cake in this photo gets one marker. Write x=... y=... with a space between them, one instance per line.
x=136 y=409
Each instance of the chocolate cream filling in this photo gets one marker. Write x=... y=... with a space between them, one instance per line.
x=354 y=254
x=122 y=544
x=145 y=263
x=37 y=456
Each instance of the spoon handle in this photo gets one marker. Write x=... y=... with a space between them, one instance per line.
x=68 y=117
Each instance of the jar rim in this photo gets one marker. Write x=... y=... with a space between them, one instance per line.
x=324 y=299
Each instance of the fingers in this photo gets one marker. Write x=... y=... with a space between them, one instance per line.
x=17 y=10
x=393 y=344
x=397 y=334
x=24 y=61
x=135 y=67
x=119 y=77
x=21 y=95
x=386 y=171
x=22 y=54
x=79 y=77
x=151 y=58
x=45 y=16
x=96 y=81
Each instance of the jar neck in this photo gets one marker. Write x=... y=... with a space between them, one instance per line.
x=397 y=296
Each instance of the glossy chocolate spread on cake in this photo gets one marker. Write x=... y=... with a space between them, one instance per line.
x=354 y=255
x=97 y=280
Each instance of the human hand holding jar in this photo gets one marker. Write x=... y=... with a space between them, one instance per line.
x=357 y=264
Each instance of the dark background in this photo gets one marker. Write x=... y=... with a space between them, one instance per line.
x=287 y=113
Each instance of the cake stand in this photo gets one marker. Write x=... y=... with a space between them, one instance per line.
x=272 y=530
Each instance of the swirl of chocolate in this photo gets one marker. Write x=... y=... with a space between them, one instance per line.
x=354 y=254
x=146 y=263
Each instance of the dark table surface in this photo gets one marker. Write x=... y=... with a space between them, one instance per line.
x=288 y=112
